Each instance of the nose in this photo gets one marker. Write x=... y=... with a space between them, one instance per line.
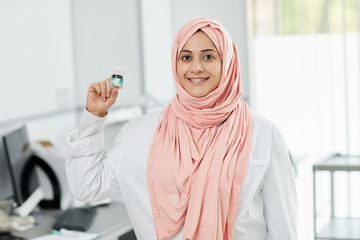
x=196 y=66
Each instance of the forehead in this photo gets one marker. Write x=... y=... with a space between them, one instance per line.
x=199 y=40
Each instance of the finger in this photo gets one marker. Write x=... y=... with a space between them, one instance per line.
x=113 y=96
x=93 y=96
x=103 y=90
x=94 y=88
x=108 y=87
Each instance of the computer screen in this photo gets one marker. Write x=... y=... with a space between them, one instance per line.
x=18 y=152
x=6 y=189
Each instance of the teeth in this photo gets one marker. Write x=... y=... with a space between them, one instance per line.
x=197 y=79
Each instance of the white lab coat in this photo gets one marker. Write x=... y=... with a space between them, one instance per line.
x=267 y=204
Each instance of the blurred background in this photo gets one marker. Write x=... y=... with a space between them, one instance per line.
x=299 y=62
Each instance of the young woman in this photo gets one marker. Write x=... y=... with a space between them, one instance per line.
x=203 y=168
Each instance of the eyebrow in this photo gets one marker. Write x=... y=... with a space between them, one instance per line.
x=205 y=50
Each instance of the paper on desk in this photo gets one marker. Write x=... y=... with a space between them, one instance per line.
x=88 y=236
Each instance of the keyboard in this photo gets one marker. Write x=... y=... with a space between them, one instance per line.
x=78 y=219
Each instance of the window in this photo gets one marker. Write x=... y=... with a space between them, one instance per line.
x=304 y=68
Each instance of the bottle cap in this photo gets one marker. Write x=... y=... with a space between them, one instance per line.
x=120 y=71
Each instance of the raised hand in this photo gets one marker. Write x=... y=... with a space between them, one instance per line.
x=100 y=97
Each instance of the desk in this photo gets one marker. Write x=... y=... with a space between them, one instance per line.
x=337 y=227
x=111 y=221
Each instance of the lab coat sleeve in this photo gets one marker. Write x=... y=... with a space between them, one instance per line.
x=279 y=193
x=91 y=174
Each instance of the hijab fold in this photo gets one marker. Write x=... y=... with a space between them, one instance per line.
x=200 y=150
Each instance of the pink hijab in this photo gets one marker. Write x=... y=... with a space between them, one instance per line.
x=200 y=150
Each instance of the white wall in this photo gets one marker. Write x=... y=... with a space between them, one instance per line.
x=52 y=50
x=106 y=33
x=36 y=57
x=36 y=63
x=157 y=42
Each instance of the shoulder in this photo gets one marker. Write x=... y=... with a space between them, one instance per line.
x=260 y=122
x=265 y=137
x=262 y=127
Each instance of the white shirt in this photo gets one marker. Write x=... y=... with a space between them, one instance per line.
x=267 y=205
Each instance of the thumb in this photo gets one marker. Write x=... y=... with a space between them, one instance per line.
x=113 y=95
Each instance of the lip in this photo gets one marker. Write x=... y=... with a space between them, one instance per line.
x=198 y=80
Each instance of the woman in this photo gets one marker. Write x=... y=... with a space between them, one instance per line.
x=205 y=167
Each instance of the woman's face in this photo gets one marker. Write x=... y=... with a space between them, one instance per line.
x=199 y=65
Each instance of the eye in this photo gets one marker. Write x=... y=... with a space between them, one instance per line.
x=185 y=57
x=208 y=57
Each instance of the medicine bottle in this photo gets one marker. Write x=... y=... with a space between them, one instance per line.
x=117 y=77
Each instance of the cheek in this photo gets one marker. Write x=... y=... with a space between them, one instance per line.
x=219 y=71
x=179 y=70
x=180 y=74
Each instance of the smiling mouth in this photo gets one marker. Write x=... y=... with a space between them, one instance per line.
x=197 y=80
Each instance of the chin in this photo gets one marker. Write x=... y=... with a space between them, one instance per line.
x=198 y=94
x=198 y=91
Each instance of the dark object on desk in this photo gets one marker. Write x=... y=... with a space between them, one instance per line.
x=8 y=236
x=78 y=219
x=128 y=236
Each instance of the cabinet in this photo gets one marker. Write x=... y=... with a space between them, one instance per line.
x=332 y=227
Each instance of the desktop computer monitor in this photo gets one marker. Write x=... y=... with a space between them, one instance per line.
x=6 y=189
x=18 y=152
